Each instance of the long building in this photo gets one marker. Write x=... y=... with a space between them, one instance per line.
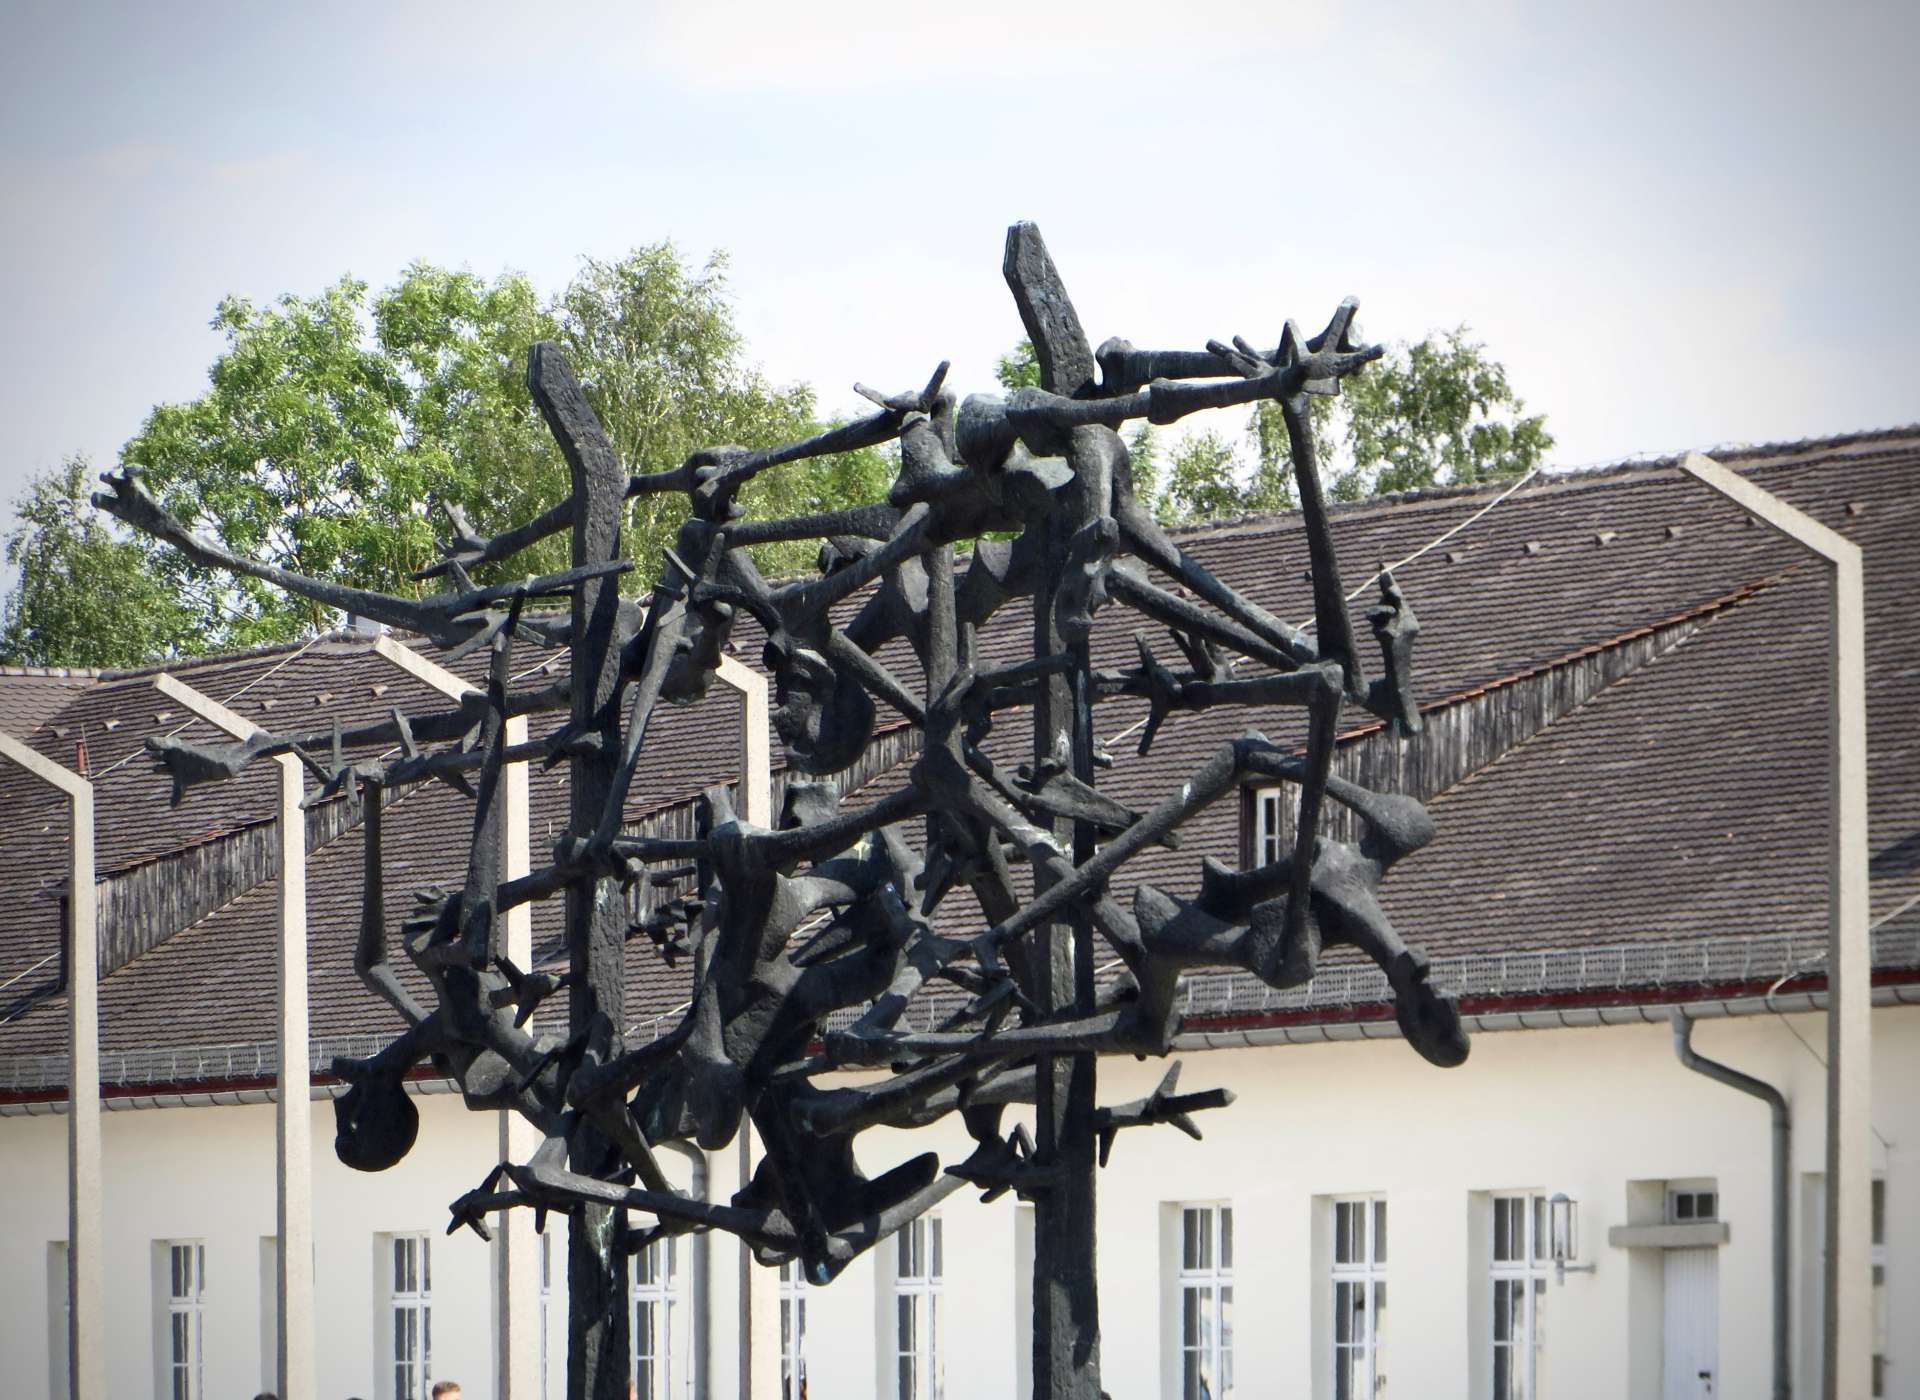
x=1627 y=691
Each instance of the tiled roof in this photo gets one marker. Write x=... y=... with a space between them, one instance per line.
x=1686 y=800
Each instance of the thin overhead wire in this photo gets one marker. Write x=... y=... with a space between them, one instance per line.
x=1376 y=576
x=1433 y=543
x=278 y=666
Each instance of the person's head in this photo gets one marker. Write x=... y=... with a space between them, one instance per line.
x=266 y=1395
x=446 y=1390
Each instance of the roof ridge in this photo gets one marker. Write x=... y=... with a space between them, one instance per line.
x=176 y=665
x=51 y=672
x=1738 y=456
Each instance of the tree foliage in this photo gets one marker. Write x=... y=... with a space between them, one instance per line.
x=1437 y=413
x=336 y=428
x=85 y=596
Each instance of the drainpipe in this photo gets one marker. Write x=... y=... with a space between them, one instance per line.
x=1782 y=1158
x=702 y=1249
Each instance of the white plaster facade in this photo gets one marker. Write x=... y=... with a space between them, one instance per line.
x=1596 y=1113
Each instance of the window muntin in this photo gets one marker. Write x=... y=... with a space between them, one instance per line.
x=186 y=1320
x=793 y=1332
x=1359 y=1297
x=655 y=1311
x=1205 y=1286
x=918 y=1283
x=1518 y=1277
x=410 y=1303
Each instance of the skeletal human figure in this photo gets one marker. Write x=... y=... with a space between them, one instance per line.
x=813 y=943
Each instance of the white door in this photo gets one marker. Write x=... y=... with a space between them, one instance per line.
x=1692 y=1324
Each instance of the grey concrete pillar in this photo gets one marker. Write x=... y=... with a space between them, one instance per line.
x=516 y=1255
x=86 y=1324
x=756 y=1291
x=295 y=1366
x=1848 y=1303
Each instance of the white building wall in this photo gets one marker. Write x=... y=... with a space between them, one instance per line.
x=1586 y=1112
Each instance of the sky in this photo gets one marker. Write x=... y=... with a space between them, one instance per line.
x=1678 y=225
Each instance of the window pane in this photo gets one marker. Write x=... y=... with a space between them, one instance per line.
x=903 y=1322
x=1190 y=1376
x=1503 y=1302
x=1346 y=1304
x=906 y=1378
x=424 y=1267
x=1502 y=1231
x=1709 y=1207
x=1503 y=1374
x=1880 y=1211
x=903 y=1253
x=1377 y=1324
x=1226 y=1237
x=1226 y=1341
x=931 y=1350
x=1540 y=1227
x=1345 y=1249
x=1190 y=1317
x=1379 y=1232
x=934 y=1225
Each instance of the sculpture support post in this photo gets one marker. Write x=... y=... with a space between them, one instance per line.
x=598 y=1347
x=1848 y=1304
x=294 y=1367
x=516 y=1289
x=86 y=1328
x=1066 y=1317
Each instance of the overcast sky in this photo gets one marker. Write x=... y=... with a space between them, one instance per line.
x=1678 y=224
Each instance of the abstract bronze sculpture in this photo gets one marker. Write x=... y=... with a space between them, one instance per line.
x=808 y=942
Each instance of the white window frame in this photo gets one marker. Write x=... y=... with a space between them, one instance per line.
x=406 y=1304
x=59 y=1321
x=1693 y=1203
x=183 y=1319
x=546 y=1295
x=793 y=1331
x=1203 y=1301
x=654 y=1320
x=1525 y=1269
x=916 y=1370
x=1268 y=844
x=1358 y=1270
x=1882 y=1315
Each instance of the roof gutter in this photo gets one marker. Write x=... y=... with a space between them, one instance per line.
x=1254 y=1034
x=1546 y=1018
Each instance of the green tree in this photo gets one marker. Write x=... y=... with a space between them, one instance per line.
x=84 y=596
x=1437 y=413
x=336 y=427
x=1019 y=368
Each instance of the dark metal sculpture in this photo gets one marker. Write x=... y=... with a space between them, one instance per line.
x=1027 y=1017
